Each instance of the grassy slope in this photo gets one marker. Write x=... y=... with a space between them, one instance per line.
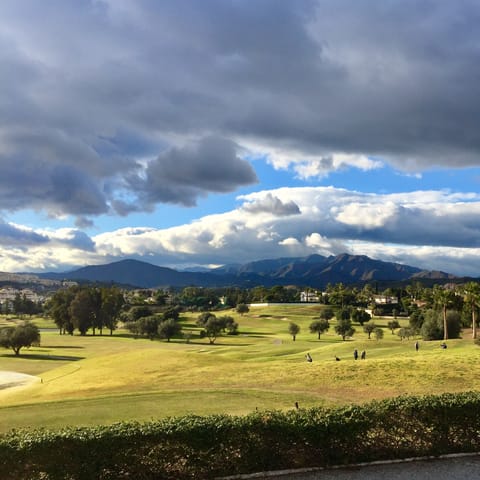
x=88 y=380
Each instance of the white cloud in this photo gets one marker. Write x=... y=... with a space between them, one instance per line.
x=366 y=215
x=289 y=242
x=320 y=167
x=307 y=165
x=272 y=205
x=432 y=230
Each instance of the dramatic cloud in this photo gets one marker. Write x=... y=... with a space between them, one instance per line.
x=329 y=221
x=98 y=93
x=113 y=107
x=182 y=175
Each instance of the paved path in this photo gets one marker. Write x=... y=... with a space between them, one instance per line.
x=452 y=467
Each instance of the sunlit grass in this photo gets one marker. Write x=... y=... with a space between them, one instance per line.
x=103 y=379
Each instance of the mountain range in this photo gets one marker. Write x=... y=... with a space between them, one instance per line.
x=314 y=271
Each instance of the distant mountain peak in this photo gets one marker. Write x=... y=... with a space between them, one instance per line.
x=314 y=271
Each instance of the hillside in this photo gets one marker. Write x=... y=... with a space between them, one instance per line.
x=314 y=271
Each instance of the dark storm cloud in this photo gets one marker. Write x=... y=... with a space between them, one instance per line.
x=89 y=89
x=27 y=182
x=182 y=175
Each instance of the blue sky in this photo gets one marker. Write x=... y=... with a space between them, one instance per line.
x=203 y=133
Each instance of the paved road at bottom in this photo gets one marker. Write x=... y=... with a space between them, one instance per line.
x=451 y=468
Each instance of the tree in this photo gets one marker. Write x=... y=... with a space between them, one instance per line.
x=365 y=296
x=133 y=327
x=204 y=317
x=319 y=326
x=344 y=328
x=442 y=298
x=95 y=295
x=213 y=328
x=378 y=332
x=171 y=313
x=148 y=326
x=112 y=304
x=17 y=304
x=432 y=328
x=343 y=314
x=294 y=330
x=339 y=295
x=393 y=324
x=161 y=297
x=360 y=316
x=369 y=328
x=242 y=308
x=59 y=309
x=417 y=317
x=229 y=324
x=168 y=329
x=472 y=298
x=405 y=333
x=415 y=290
x=327 y=313
x=20 y=336
x=138 y=312
x=82 y=311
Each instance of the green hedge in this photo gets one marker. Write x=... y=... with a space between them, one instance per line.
x=221 y=445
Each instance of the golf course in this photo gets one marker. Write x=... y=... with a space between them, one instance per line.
x=89 y=380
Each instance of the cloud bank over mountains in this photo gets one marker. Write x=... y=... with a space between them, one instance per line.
x=112 y=107
x=284 y=222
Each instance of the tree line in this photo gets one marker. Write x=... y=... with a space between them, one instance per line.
x=21 y=305
x=436 y=313
x=85 y=308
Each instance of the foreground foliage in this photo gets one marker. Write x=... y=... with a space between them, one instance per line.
x=18 y=337
x=221 y=445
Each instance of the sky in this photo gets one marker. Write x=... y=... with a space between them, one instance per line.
x=202 y=133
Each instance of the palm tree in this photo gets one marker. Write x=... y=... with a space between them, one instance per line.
x=415 y=290
x=442 y=298
x=472 y=297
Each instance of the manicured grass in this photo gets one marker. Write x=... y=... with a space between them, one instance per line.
x=102 y=379
x=13 y=320
x=146 y=406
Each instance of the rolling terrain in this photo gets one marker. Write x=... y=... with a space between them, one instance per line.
x=102 y=379
x=314 y=271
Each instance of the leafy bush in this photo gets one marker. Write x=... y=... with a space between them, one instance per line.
x=220 y=445
x=432 y=328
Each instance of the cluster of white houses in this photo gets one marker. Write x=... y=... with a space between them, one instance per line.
x=8 y=295
x=315 y=297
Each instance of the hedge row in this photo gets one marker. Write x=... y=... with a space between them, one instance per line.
x=221 y=445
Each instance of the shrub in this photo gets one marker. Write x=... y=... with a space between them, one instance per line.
x=220 y=445
x=432 y=328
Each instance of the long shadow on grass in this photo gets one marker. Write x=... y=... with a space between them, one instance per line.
x=62 y=346
x=35 y=356
x=256 y=334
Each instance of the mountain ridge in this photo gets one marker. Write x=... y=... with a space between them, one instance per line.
x=313 y=271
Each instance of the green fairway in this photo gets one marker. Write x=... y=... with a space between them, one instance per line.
x=103 y=379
